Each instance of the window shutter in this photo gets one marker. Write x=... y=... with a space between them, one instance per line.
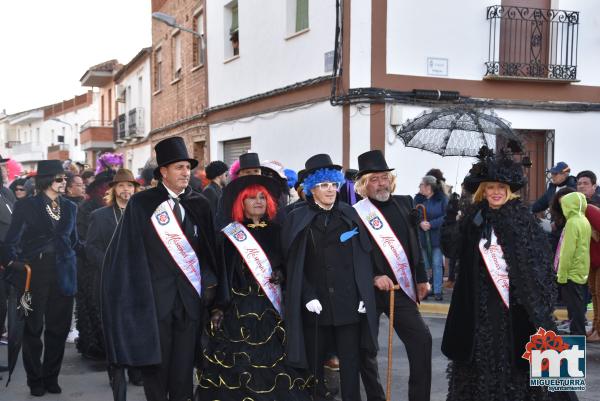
x=301 y=15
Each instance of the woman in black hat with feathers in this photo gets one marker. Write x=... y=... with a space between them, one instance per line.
x=244 y=356
x=504 y=290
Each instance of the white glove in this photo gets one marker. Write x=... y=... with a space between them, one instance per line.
x=361 y=307
x=314 y=306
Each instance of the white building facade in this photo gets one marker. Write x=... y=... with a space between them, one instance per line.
x=270 y=86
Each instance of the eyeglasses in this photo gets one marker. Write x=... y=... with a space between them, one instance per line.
x=58 y=180
x=325 y=186
x=19 y=189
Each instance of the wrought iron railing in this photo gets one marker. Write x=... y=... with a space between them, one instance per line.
x=122 y=126
x=135 y=118
x=532 y=42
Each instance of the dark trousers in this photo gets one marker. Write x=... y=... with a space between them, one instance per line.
x=172 y=379
x=414 y=333
x=3 y=304
x=573 y=297
x=51 y=315
x=347 y=342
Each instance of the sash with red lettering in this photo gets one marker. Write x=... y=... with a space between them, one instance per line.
x=256 y=259
x=496 y=265
x=172 y=236
x=390 y=245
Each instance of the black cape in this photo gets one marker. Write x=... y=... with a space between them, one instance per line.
x=128 y=307
x=294 y=239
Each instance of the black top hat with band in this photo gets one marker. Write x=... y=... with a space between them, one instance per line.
x=249 y=160
x=318 y=162
x=495 y=168
x=169 y=151
x=49 y=168
x=233 y=189
x=372 y=161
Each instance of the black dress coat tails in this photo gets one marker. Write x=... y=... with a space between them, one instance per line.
x=140 y=280
x=295 y=236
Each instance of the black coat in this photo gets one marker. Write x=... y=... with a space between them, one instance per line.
x=101 y=228
x=532 y=286
x=399 y=209
x=213 y=193
x=31 y=231
x=294 y=238
x=544 y=201
x=140 y=279
x=7 y=204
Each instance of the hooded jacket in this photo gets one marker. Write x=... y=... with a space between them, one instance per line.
x=574 y=248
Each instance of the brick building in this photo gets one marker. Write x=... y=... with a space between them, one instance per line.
x=179 y=77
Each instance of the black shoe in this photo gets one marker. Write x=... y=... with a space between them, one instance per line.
x=439 y=297
x=37 y=391
x=53 y=388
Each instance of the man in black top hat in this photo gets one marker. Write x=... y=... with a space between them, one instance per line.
x=249 y=165
x=330 y=295
x=158 y=278
x=42 y=234
x=396 y=259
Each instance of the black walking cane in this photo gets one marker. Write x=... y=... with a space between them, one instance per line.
x=316 y=354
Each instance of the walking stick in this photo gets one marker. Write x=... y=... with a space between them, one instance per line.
x=388 y=395
x=316 y=354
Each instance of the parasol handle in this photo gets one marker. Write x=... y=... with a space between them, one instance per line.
x=388 y=396
x=28 y=278
x=423 y=210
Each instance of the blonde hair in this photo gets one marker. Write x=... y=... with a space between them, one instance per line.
x=479 y=195
x=360 y=186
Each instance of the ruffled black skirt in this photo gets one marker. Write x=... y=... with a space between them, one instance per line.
x=244 y=360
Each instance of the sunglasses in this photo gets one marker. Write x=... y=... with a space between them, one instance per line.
x=58 y=180
x=328 y=185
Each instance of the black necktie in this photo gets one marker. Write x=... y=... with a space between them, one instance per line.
x=177 y=210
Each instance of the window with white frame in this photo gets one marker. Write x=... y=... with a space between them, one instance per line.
x=232 y=30
x=297 y=16
x=176 y=55
x=200 y=40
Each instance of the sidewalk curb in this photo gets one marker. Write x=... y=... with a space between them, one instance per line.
x=442 y=309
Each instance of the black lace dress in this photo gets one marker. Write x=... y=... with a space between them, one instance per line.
x=244 y=360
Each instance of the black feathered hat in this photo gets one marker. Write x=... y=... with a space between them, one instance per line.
x=495 y=168
x=215 y=169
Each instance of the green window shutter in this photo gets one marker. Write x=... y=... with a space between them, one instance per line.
x=301 y=15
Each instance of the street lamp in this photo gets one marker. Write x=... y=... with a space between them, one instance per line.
x=170 y=21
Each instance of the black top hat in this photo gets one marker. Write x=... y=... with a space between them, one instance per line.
x=171 y=150
x=318 y=162
x=249 y=160
x=495 y=168
x=372 y=161
x=233 y=189
x=49 y=167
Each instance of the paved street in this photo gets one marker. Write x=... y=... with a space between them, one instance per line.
x=85 y=380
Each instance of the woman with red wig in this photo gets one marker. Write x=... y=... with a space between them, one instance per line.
x=244 y=356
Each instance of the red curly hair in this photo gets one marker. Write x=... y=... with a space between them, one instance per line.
x=237 y=212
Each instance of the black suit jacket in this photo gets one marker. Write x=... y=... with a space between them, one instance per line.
x=7 y=204
x=102 y=225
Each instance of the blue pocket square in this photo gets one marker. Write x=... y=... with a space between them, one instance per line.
x=348 y=234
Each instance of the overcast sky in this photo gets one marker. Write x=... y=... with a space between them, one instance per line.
x=47 y=45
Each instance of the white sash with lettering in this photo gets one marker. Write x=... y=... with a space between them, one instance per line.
x=496 y=265
x=172 y=236
x=256 y=259
x=390 y=246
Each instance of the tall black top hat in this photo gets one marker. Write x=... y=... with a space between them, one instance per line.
x=249 y=160
x=318 y=162
x=171 y=150
x=372 y=161
x=49 y=167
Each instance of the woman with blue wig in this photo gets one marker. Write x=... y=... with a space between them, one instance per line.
x=330 y=295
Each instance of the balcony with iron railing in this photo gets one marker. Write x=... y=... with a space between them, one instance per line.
x=532 y=43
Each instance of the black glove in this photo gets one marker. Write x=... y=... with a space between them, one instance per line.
x=452 y=209
x=215 y=319
x=276 y=277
